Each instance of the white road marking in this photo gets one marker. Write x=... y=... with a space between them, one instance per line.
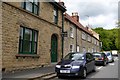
x=116 y=58
x=112 y=64
x=100 y=67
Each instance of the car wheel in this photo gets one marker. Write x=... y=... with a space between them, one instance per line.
x=94 y=69
x=113 y=60
x=60 y=77
x=104 y=63
x=84 y=73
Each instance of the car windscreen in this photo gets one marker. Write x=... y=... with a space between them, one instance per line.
x=108 y=54
x=74 y=56
x=97 y=55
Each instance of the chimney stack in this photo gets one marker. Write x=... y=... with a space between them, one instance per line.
x=75 y=16
x=62 y=3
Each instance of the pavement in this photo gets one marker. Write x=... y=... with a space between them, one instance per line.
x=41 y=73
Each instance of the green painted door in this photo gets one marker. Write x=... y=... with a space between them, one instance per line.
x=54 y=48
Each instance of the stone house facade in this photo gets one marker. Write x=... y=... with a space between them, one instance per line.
x=79 y=38
x=31 y=34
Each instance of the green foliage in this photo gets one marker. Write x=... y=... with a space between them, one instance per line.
x=109 y=38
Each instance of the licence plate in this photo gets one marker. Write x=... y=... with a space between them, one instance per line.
x=64 y=71
x=96 y=58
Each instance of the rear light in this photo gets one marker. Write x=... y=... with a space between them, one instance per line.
x=101 y=58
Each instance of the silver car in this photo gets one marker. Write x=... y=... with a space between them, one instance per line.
x=109 y=56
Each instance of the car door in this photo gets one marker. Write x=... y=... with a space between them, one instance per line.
x=92 y=62
x=88 y=62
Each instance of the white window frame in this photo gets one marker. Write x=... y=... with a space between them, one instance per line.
x=89 y=38
x=83 y=35
x=84 y=49
x=71 y=32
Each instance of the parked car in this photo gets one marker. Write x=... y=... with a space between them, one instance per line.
x=109 y=56
x=114 y=52
x=75 y=64
x=100 y=58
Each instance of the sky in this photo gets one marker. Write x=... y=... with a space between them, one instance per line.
x=96 y=13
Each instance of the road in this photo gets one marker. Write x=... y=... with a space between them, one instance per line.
x=110 y=71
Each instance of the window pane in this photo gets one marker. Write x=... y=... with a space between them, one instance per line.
x=30 y=48
x=55 y=19
x=28 y=35
x=71 y=32
x=20 y=45
x=30 y=0
x=29 y=6
x=55 y=12
x=21 y=33
x=35 y=38
x=22 y=4
x=35 y=9
x=36 y=2
x=27 y=46
x=35 y=46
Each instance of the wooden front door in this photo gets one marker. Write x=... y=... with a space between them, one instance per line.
x=54 y=46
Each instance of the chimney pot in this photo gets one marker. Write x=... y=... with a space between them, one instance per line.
x=75 y=16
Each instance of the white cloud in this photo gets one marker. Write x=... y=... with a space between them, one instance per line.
x=102 y=13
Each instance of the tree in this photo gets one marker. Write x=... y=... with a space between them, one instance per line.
x=109 y=38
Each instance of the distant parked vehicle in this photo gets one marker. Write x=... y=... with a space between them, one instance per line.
x=75 y=64
x=109 y=56
x=100 y=58
x=114 y=52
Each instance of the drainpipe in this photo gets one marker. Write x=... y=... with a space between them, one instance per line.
x=62 y=34
x=76 y=40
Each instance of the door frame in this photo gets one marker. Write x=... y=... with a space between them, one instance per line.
x=54 y=36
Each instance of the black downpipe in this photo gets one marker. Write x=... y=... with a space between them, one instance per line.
x=62 y=35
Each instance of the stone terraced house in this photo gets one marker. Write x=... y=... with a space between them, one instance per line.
x=79 y=38
x=31 y=34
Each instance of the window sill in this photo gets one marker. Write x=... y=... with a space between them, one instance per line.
x=27 y=55
x=72 y=37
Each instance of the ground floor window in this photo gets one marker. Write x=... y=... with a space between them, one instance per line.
x=71 y=48
x=28 y=39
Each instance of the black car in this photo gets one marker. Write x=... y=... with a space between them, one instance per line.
x=100 y=58
x=76 y=64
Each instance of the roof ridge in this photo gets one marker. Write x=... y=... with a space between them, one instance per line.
x=78 y=24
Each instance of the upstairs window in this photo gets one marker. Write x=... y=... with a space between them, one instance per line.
x=28 y=41
x=83 y=36
x=55 y=17
x=31 y=5
x=89 y=38
x=92 y=40
x=98 y=43
x=95 y=42
x=71 y=32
